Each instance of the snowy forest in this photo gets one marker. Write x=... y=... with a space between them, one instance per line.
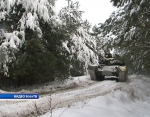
x=49 y=59
x=39 y=45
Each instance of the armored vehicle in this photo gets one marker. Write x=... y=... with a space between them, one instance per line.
x=108 y=67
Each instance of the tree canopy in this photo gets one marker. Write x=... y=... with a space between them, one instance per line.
x=127 y=30
x=38 y=45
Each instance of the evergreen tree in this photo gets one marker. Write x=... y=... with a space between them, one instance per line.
x=15 y=17
x=49 y=47
x=79 y=35
x=127 y=30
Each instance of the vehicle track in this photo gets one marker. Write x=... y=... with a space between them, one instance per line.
x=61 y=98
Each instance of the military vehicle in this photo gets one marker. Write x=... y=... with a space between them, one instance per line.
x=108 y=67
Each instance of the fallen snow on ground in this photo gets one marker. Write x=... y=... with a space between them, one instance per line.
x=104 y=106
x=130 y=99
x=82 y=97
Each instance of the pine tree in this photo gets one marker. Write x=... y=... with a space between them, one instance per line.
x=15 y=17
x=127 y=30
x=50 y=48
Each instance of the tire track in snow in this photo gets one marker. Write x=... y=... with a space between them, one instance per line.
x=61 y=99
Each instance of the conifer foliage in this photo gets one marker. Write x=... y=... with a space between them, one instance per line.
x=127 y=30
x=37 y=45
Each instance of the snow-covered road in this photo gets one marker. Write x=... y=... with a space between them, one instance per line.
x=132 y=93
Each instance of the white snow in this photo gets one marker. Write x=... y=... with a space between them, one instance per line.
x=104 y=106
x=34 y=11
x=132 y=12
x=30 y=21
x=85 y=98
x=2 y=15
x=12 y=40
x=142 y=2
x=117 y=103
x=65 y=46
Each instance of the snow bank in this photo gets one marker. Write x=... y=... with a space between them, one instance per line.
x=129 y=100
x=109 y=99
x=104 y=106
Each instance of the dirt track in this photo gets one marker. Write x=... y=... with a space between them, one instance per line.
x=63 y=97
x=76 y=91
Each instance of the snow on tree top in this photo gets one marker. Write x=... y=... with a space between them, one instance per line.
x=34 y=11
